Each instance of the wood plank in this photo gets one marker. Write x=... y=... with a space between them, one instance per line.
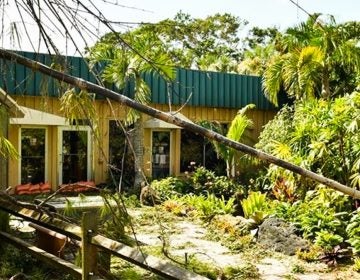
x=42 y=255
x=88 y=251
x=153 y=264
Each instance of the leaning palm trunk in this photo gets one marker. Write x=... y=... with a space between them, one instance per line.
x=91 y=87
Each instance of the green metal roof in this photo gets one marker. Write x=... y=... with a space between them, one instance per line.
x=202 y=88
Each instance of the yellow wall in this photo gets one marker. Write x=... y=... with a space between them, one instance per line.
x=107 y=111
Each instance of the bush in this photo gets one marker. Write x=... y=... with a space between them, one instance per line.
x=319 y=135
x=170 y=187
x=353 y=232
x=318 y=212
x=204 y=181
x=208 y=206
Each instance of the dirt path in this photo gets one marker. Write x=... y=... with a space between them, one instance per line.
x=189 y=237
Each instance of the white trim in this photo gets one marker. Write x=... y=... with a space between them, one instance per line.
x=36 y=117
x=59 y=149
x=46 y=150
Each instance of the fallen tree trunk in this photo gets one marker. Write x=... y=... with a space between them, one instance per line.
x=91 y=87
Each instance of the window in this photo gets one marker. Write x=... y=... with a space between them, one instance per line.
x=33 y=143
x=160 y=154
x=197 y=149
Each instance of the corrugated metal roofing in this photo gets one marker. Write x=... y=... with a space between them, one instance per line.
x=200 y=88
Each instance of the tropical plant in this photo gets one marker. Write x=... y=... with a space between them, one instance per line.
x=319 y=135
x=236 y=132
x=123 y=65
x=7 y=150
x=353 y=232
x=209 y=205
x=255 y=207
x=327 y=240
x=322 y=210
x=313 y=59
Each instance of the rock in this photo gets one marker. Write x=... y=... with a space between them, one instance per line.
x=280 y=236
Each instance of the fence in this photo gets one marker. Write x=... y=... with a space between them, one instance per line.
x=90 y=242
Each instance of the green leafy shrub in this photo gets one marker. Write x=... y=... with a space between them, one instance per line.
x=320 y=135
x=353 y=232
x=205 y=181
x=208 y=206
x=170 y=187
x=255 y=207
x=328 y=240
x=202 y=179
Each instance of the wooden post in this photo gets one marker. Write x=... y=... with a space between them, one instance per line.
x=4 y=225
x=88 y=251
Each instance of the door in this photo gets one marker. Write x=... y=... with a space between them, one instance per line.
x=74 y=155
x=33 y=155
x=160 y=154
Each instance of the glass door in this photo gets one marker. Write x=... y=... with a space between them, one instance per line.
x=160 y=154
x=33 y=160
x=74 y=156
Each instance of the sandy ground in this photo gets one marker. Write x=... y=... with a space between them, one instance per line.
x=189 y=237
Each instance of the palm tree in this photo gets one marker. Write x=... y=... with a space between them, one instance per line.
x=122 y=65
x=313 y=59
x=236 y=132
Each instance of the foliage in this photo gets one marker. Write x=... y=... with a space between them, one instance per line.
x=310 y=255
x=236 y=132
x=328 y=240
x=246 y=271
x=318 y=212
x=357 y=264
x=353 y=232
x=114 y=216
x=131 y=201
x=176 y=207
x=255 y=207
x=209 y=205
x=315 y=59
x=7 y=150
x=322 y=136
x=123 y=64
x=170 y=187
x=78 y=106
x=337 y=254
x=230 y=226
x=211 y=43
x=205 y=181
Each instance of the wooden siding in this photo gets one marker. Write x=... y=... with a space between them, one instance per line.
x=105 y=113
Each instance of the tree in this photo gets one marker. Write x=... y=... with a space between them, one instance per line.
x=313 y=58
x=122 y=65
x=210 y=43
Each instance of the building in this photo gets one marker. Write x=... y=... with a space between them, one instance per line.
x=54 y=151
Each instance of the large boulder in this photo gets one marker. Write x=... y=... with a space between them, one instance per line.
x=280 y=236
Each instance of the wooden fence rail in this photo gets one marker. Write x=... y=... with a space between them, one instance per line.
x=90 y=242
